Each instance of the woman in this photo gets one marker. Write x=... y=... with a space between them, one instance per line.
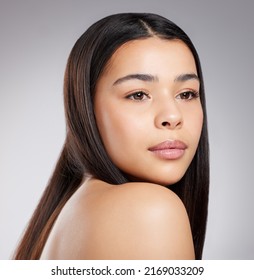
x=132 y=179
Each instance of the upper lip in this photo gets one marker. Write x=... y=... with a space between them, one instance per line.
x=169 y=144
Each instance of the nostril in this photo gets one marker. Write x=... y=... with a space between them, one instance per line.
x=165 y=123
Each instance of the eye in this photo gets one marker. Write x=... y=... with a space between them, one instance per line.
x=188 y=95
x=139 y=96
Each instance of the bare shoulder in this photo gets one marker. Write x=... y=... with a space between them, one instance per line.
x=147 y=194
x=150 y=201
x=129 y=221
x=153 y=222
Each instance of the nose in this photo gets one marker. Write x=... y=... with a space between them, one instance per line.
x=169 y=116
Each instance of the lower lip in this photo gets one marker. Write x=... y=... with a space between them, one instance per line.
x=169 y=153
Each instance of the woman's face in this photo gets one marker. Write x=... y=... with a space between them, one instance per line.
x=148 y=109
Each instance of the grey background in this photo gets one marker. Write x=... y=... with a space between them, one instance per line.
x=36 y=38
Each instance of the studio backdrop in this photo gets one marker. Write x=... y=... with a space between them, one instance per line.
x=36 y=38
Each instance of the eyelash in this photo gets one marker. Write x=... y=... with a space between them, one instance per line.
x=190 y=95
x=135 y=94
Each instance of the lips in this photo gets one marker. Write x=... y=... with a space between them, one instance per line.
x=170 y=149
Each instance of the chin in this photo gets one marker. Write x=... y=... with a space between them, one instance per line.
x=167 y=182
x=170 y=180
x=166 y=178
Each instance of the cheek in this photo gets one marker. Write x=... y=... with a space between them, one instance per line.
x=107 y=125
x=195 y=124
x=119 y=122
x=115 y=126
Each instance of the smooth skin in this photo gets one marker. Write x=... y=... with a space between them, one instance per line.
x=134 y=114
x=147 y=94
x=130 y=221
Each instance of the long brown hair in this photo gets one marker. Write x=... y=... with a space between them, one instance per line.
x=83 y=151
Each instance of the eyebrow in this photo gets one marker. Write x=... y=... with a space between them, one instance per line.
x=151 y=78
x=186 y=77
x=141 y=77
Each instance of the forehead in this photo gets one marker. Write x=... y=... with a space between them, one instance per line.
x=152 y=55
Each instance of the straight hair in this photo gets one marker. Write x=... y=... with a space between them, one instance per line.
x=83 y=152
